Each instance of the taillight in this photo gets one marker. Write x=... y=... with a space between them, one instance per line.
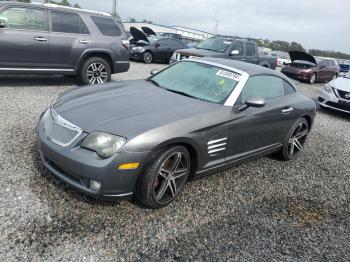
x=126 y=44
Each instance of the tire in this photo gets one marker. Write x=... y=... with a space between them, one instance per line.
x=156 y=186
x=313 y=78
x=147 y=57
x=295 y=140
x=95 y=70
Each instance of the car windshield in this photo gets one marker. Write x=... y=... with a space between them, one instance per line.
x=347 y=75
x=217 y=45
x=198 y=80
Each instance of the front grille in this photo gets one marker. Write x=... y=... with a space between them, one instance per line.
x=59 y=130
x=343 y=94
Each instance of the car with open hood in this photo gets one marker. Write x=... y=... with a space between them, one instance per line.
x=229 y=48
x=149 y=47
x=146 y=138
x=336 y=94
x=305 y=67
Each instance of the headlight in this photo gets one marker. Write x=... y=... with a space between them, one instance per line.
x=105 y=145
x=328 y=88
x=138 y=49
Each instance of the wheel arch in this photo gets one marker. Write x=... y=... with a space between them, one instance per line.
x=265 y=64
x=105 y=54
x=309 y=120
x=191 y=146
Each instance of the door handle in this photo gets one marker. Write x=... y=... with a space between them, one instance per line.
x=287 y=110
x=84 y=42
x=40 y=39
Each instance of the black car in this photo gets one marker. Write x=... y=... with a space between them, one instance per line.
x=50 y=39
x=151 y=47
x=148 y=137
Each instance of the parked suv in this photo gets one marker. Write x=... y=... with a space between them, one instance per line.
x=50 y=39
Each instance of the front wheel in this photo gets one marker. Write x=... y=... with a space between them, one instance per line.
x=147 y=57
x=164 y=178
x=95 y=70
x=313 y=78
x=295 y=140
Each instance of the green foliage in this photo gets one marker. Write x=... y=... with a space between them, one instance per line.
x=65 y=3
x=333 y=54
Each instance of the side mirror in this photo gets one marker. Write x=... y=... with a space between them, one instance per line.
x=235 y=52
x=154 y=71
x=2 y=23
x=255 y=101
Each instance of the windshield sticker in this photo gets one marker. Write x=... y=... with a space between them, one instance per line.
x=229 y=75
x=227 y=43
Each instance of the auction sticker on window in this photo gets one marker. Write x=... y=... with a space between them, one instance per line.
x=229 y=75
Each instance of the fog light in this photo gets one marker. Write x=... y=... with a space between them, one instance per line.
x=95 y=185
x=129 y=166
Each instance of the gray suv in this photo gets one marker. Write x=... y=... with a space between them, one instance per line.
x=49 y=39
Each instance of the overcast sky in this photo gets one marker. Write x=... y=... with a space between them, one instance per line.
x=316 y=24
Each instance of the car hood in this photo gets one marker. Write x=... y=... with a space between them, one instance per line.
x=138 y=35
x=341 y=83
x=299 y=55
x=148 y=31
x=127 y=108
x=196 y=52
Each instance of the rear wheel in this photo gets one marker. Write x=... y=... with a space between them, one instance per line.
x=295 y=140
x=95 y=70
x=313 y=78
x=164 y=178
x=147 y=57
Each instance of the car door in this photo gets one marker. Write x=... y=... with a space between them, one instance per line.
x=256 y=130
x=323 y=70
x=68 y=39
x=251 y=55
x=24 y=37
x=162 y=50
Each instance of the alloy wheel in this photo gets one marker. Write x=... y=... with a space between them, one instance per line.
x=147 y=57
x=297 y=139
x=313 y=78
x=171 y=177
x=97 y=73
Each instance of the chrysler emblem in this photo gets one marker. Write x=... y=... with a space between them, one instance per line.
x=347 y=95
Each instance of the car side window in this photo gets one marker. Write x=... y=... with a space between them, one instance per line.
x=250 y=49
x=24 y=18
x=164 y=43
x=107 y=26
x=67 y=23
x=288 y=89
x=238 y=46
x=262 y=86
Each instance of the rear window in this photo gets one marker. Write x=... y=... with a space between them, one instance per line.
x=67 y=23
x=107 y=26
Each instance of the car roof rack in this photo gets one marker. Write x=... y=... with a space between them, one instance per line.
x=76 y=9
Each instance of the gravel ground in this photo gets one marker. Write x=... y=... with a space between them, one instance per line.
x=264 y=210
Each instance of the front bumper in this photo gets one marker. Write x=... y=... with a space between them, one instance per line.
x=136 y=56
x=297 y=76
x=77 y=166
x=332 y=101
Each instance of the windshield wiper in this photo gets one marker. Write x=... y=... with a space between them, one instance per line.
x=183 y=93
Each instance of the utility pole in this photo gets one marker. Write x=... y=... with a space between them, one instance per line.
x=114 y=8
x=216 y=29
